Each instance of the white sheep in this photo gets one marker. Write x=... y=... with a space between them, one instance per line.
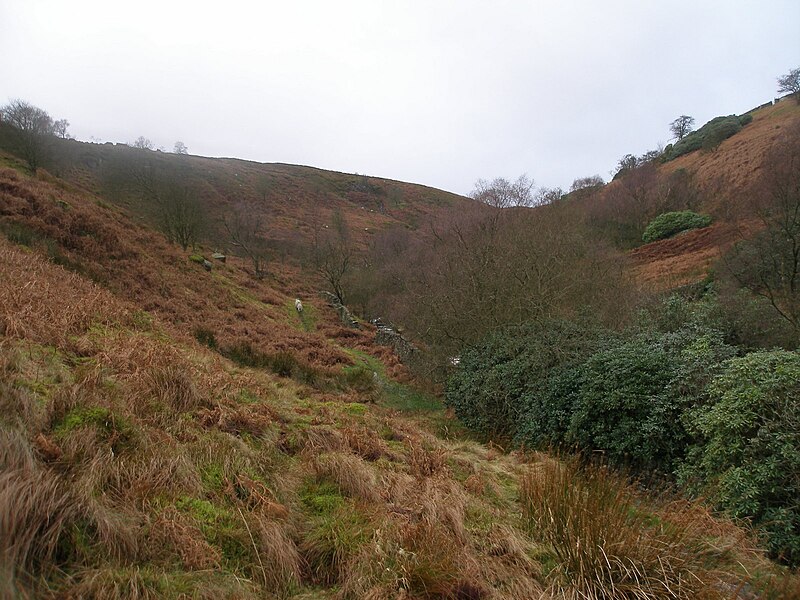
x=298 y=305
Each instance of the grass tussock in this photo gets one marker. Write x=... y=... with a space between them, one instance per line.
x=350 y=473
x=426 y=460
x=412 y=560
x=177 y=533
x=605 y=541
x=366 y=443
x=333 y=535
x=278 y=557
x=173 y=387
x=36 y=509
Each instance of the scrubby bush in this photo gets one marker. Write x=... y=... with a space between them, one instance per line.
x=488 y=388
x=668 y=224
x=720 y=132
x=748 y=456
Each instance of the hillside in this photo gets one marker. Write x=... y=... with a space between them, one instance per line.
x=291 y=199
x=723 y=183
x=169 y=431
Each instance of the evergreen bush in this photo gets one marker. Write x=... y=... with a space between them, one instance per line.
x=668 y=224
x=747 y=459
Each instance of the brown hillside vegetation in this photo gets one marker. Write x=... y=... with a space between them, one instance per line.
x=168 y=432
x=102 y=243
x=292 y=199
x=726 y=175
x=683 y=259
x=726 y=179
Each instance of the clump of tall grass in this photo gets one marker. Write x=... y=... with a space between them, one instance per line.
x=606 y=542
x=173 y=387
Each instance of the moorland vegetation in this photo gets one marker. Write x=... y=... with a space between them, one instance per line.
x=171 y=428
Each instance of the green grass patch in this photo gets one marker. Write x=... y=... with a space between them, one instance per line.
x=361 y=358
x=321 y=497
x=405 y=398
x=334 y=532
x=247 y=397
x=220 y=528
x=111 y=428
x=304 y=321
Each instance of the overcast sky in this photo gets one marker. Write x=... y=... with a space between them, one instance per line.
x=433 y=92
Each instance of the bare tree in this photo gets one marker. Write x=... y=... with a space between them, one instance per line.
x=31 y=127
x=333 y=253
x=182 y=216
x=487 y=268
x=768 y=263
x=583 y=183
x=180 y=212
x=682 y=126
x=245 y=227
x=790 y=83
x=548 y=195
x=60 y=129
x=264 y=186
x=502 y=193
x=142 y=143
x=180 y=148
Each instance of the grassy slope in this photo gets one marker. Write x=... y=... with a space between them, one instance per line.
x=725 y=177
x=137 y=462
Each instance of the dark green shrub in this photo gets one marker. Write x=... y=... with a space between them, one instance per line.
x=668 y=224
x=633 y=397
x=620 y=407
x=244 y=355
x=549 y=407
x=282 y=364
x=20 y=234
x=488 y=388
x=206 y=337
x=748 y=459
x=720 y=132
x=626 y=399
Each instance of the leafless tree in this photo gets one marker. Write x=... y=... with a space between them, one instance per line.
x=180 y=212
x=790 y=83
x=245 y=227
x=583 y=183
x=182 y=217
x=482 y=268
x=502 y=193
x=142 y=143
x=682 y=126
x=333 y=253
x=60 y=129
x=30 y=129
x=768 y=263
x=180 y=148
x=548 y=195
